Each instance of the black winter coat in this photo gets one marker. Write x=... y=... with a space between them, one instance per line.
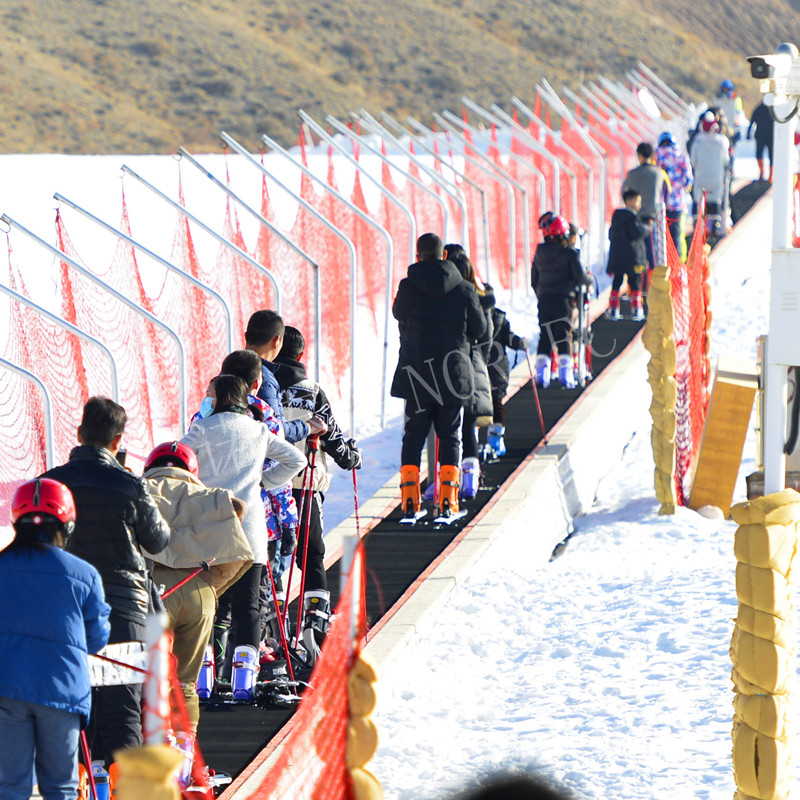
x=627 y=242
x=557 y=269
x=439 y=313
x=116 y=517
x=299 y=392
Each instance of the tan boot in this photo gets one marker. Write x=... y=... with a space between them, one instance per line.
x=761 y=174
x=409 y=489
x=449 y=483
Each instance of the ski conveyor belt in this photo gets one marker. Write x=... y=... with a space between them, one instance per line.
x=231 y=736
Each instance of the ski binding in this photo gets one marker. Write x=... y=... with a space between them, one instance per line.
x=416 y=517
x=449 y=519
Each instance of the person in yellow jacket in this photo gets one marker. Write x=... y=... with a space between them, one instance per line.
x=206 y=526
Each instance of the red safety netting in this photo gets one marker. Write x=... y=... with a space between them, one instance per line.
x=312 y=760
x=690 y=301
x=501 y=203
x=147 y=358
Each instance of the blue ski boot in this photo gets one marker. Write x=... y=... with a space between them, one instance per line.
x=543 y=370
x=470 y=478
x=494 y=438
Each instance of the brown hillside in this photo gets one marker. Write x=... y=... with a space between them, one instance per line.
x=141 y=76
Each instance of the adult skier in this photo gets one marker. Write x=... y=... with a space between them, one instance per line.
x=438 y=313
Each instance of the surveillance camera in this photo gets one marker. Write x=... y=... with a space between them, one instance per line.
x=769 y=67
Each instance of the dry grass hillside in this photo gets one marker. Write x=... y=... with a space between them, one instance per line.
x=141 y=76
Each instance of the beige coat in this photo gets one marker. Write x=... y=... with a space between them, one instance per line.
x=204 y=526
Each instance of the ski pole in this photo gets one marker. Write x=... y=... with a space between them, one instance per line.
x=282 y=627
x=536 y=398
x=204 y=567
x=300 y=513
x=88 y=759
x=358 y=534
x=313 y=446
x=436 y=487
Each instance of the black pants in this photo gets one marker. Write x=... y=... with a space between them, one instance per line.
x=116 y=719
x=446 y=421
x=555 y=323
x=240 y=604
x=764 y=144
x=634 y=279
x=498 y=407
x=315 y=558
x=469 y=441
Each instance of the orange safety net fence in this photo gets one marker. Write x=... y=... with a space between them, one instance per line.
x=690 y=303
x=312 y=759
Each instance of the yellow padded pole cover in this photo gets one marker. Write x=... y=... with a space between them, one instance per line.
x=765 y=625
x=760 y=763
x=148 y=773
x=761 y=662
x=766 y=546
x=765 y=713
x=765 y=590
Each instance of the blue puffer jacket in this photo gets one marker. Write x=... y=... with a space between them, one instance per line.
x=52 y=613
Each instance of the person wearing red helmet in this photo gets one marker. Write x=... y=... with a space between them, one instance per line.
x=52 y=614
x=206 y=526
x=555 y=273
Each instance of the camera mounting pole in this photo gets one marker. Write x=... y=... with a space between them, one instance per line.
x=779 y=74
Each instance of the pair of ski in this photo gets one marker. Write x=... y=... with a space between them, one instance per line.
x=447 y=517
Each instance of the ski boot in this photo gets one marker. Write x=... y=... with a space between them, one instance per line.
x=409 y=489
x=494 y=438
x=543 y=370
x=316 y=621
x=566 y=372
x=222 y=661
x=205 y=680
x=245 y=670
x=448 y=495
x=184 y=744
x=470 y=477
x=101 y=780
x=272 y=623
x=613 y=306
x=637 y=306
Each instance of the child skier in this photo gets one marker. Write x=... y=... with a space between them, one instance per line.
x=555 y=273
x=627 y=254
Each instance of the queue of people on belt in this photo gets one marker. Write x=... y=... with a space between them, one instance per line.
x=96 y=546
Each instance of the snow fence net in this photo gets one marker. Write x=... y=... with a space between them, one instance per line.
x=690 y=303
x=312 y=761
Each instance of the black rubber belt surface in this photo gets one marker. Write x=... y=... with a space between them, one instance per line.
x=231 y=736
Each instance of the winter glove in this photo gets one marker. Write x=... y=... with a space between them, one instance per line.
x=522 y=344
x=288 y=541
x=353 y=460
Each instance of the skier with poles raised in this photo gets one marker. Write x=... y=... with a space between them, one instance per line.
x=304 y=399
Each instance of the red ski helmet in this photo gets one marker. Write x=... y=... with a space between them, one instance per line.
x=558 y=226
x=44 y=496
x=173 y=454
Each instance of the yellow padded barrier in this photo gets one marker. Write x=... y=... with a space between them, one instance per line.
x=148 y=773
x=657 y=338
x=765 y=625
x=766 y=546
x=762 y=644
x=764 y=590
x=362 y=735
x=764 y=713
